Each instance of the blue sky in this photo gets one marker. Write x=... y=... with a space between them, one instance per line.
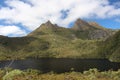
x=20 y=17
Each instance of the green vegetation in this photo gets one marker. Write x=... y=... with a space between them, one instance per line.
x=12 y=74
x=84 y=40
x=51 y=46
x=92 y=74
x=111 y=47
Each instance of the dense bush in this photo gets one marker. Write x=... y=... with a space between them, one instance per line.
x=12 y=74
x=31 y=74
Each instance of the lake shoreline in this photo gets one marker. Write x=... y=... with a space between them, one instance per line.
x=60 y=65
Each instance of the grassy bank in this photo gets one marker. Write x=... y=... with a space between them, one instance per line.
x=92 y=74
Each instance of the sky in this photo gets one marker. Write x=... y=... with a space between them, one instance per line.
x=20 y=17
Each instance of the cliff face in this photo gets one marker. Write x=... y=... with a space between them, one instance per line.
x=81 y=25
x=92 y=29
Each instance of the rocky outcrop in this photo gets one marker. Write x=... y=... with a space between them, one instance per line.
x=93 y=30
x=81 y=25
x=98 y=34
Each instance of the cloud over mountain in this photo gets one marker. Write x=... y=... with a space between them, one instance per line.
x=11 y=31
x=32 y=13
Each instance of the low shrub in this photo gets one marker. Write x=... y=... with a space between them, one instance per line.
x=10 y=75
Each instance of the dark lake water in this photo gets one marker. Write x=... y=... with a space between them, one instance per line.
x=62 y=65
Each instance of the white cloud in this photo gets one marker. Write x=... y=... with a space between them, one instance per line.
x=11 y=30
x=32 y=13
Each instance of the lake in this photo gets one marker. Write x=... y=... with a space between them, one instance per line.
x=61 y=65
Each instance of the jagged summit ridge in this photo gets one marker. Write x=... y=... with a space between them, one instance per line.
x=82 y=25
x=48 y=24
x=96 y=25
x=89 y=30
x=43 y=28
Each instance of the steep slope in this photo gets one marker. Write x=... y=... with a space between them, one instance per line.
x=83 y=40
x=80 y=30
x=52 y=29
x=91 y=30
x=111 y=47
x=45 y=28
x=65 y=42
x=82 y=25
x=106 y=32
x=96 y=25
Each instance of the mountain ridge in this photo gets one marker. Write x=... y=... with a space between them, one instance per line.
x=80 y=27
x=83 y=40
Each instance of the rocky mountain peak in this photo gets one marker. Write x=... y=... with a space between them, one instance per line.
x=81 y=25
x=44 y=28
x=46 y=24
x=80 y=21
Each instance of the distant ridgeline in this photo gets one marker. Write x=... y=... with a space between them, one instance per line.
x=83 y=40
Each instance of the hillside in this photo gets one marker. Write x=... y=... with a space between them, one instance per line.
x=91 y=30
x=111 y=48
x=83 y=40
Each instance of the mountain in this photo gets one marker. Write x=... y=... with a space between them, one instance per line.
x=96 y=25
x=111 y=47
x=82 y=25
x=83 y=40
x=81 y=29
x=91 y=29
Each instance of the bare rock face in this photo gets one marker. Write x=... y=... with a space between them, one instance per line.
x=81 y=28
x=81 y=25
x=98 y=34
x=94 y=24
x=94 y=30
